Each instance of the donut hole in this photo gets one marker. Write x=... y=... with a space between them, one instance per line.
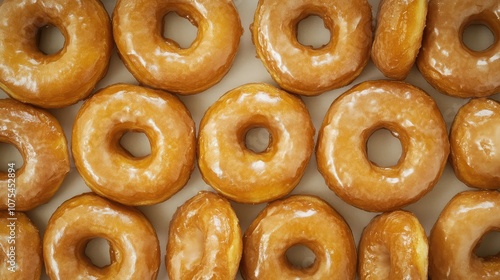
x=10 y=157
x=384 y=148
x=300 y=256
x=50 y=40
x=489 y=245
x=313 y=32
x=478 y=37
x=179 y=30
x=98 y=251
x=135 y=144
x=258 y=139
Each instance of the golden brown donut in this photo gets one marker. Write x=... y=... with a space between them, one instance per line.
x=134 y=247
x=161 y=63
x=393 y=246
x=398 y=37
x=298 y=220
x=204 y=239
x=475 y=144
x=461 y=225
x=109 y=169
x=63 y=78
x=411 y=115
x=21 y=245
x=42 y=143
x=302 y=69
x=239 y=173
x=446 y=63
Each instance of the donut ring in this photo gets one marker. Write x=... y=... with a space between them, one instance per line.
x=446 y=63
x=161 y=63
x=411 y=115
x=398 y=37
x=305 y=220
x=42 y=143
x=110 y=170
x=204 y=239
x=59 y=79
x=474 y=141
x=304 y=70
x=465 y=219
x=134 y=247
x=393 y=246
x=239 y=173
x=21 y=247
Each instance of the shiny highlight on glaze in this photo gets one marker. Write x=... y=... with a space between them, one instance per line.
x=403 y=109
x=239 y=173
x=63 y=78
x=161 y=63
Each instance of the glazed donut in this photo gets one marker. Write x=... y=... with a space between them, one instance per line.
x=305 y=70
x=160 y=62
x=298 y=220
x=134 y=247
x=239 y=173
x=461 y=225
x=398 y=37
x=474 y=142
x=444 y=60
x=42 y=143
x=393 y=246
x=204 y=239
x=63 y=78
x=21 y=247
x=109 y=169
x=411 y=115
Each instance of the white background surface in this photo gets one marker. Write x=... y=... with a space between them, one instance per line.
x=247 y=68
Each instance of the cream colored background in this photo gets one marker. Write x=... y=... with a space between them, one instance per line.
x=247 y=68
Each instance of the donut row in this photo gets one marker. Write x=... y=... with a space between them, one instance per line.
x=158 y=62
x=205 y=241
x=236 y=171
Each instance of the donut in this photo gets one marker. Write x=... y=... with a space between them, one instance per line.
x=21 y=247
x=458 y=231
x=160 y=62
x=59 y=79
x=398 y=36
x=474 y=142
x=240 y=173
x=411 y=115
x=40 y=139
x=393 y=246
x=302 y=69
x=109 y=169
x=204 y=239
x=134 y=247
x=444 y=60
x=298 y=220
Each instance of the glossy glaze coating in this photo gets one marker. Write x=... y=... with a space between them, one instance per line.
x=458 y=230
x=204 y=240
x=411 y=115
x=134 y=247
x=304 y=220
x=161 y=63
x=59 y=79
x=393 y=246
x=398 y=37
x=444 y=60
x=475 y=144
x=112 y=171
x=27 y=262
x=302 y=69
x=42 y=143
x=239 y=173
